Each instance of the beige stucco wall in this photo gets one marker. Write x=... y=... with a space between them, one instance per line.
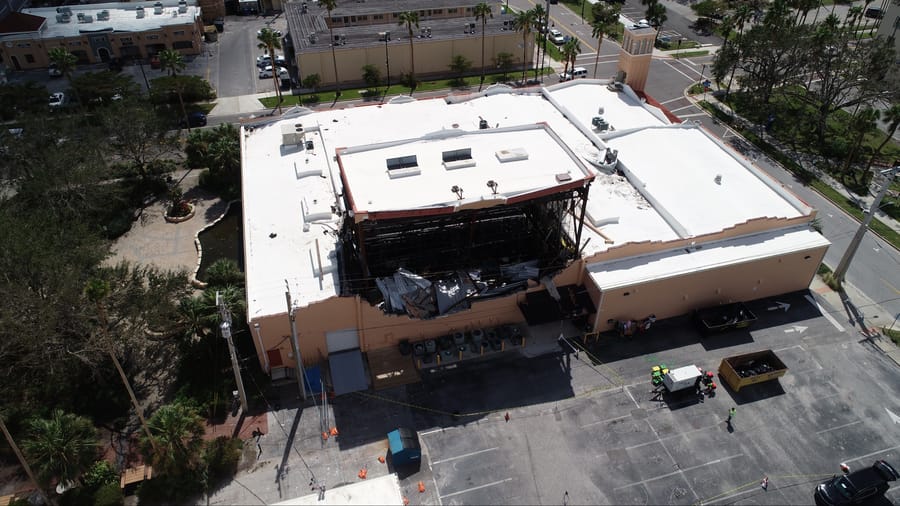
x=433 y=57
x=679 y=295
x=38 y=47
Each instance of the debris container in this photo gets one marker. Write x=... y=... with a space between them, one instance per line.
x=405 y=448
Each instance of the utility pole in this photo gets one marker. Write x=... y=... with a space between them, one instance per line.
x=294 y=344
x=23 y=462
x=225 y=327
x=844 y=264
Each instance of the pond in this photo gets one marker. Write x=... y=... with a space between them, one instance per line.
x=225 y=239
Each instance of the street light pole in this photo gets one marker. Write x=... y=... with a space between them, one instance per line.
x=582 y=11
x=387 y=64
x=844 y=264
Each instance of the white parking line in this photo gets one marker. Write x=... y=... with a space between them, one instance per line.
x=689 y=78
x=872 y=454
x=827 y=316
x=648 y=480
x=463 y=456
x=605 y=421
x=475 y=488
x=838 y=427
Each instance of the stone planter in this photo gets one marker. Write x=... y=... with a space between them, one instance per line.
x=181 y=219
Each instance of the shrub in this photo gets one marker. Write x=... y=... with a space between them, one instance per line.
x=221 y=457
x=163 y=90
x=224 y=272
x=100 y=474
x=109 y=495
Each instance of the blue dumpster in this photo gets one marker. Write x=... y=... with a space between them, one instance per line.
x=405 y=448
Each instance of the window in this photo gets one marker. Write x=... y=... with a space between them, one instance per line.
x=75 y=43
x=437 y=11
x=179 y=33
x=452 y=10
x=457 y=154
x=126 y=41
x=29 y=58
x=151 y=37
x=402 y=162
x=23 y=44
x=378 y=16
x=183 y=44
x=363 y=18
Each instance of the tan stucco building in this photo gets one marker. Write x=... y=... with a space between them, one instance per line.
x=418 y=219
x=368 y=33
x=97 y=33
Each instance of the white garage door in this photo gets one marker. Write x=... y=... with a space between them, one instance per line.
x=341 y=340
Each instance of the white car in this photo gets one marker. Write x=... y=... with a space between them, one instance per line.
x=265 y=60
x=556 y=36
x=266 y=72
x=57 y=100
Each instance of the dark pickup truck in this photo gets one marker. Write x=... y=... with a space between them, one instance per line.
x=724 y=318
x=856 y=487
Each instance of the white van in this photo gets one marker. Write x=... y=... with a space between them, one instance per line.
x=575 y=73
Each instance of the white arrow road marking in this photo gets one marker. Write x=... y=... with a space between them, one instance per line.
x=780 y=305
x=796 y=328
x=894 y=417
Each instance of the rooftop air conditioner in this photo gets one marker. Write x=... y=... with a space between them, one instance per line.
x=384 y=36
x=63 y=18
x=182 y=7
x=158 y=8
x=139 y=12
x=103 y=15
x=292 y=135
x=87 y=18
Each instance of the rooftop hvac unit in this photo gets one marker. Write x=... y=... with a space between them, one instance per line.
x=340 y=39
x=80 y=16
x=599 y=123
x=292 y=135
x=158 y=8
x=425 y=32
x=63 y=18
x=182 y=7
x=384 y=36
x=87 y=18
x=103 y=15
x=313 y=38
x=139 y=12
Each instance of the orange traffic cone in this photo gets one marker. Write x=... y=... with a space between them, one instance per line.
x=362 y=473
x=381 y=459
x=405 y=501
x=421 y=487
x=334 y=431
x=324 y=436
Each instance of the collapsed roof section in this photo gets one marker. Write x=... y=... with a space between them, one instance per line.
x=438 y=221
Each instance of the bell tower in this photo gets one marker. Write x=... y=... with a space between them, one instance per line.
x=635 y=55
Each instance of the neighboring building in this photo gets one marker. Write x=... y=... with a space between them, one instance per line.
x=368 y=33
x=889 y=25
x=7 y=7
x=417 y=219
x=99 y=32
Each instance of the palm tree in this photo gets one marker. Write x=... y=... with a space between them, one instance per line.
x=523 y=22
x=606 y=21
x=482 y=12
x=270 y=40
x=65 y=63
x=171 y=60
x=892 y=118
x=860 y=124
x=570 y=50
x=61 y=446
x=741 y=15
x=177 y=438
x=330 y=6
x=410 y=19
x=656 y=16
x=539 y=14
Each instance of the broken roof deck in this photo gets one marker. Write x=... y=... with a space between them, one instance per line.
x=292 y=214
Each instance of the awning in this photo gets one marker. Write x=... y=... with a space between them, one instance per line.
x=348 y=374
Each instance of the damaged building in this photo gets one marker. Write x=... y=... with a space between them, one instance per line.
x=456 y=220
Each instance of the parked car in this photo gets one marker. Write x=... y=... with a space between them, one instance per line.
x=53 y=70
x=874 y=13
x=577 y=72
x=265 y=60
x=57 y=100
x=154 y=62
x=856 y=487
x=556 y=36
x=267 y=72
x=195 y=119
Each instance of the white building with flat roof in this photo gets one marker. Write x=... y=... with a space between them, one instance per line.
x=419 y=218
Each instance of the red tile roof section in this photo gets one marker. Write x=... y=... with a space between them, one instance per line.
x=18 y=22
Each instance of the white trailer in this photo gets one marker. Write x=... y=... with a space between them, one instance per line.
x=681 y=378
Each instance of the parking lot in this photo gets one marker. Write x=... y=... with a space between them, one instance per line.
x=590 y=430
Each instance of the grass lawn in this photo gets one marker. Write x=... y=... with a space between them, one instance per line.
x=467 y=83
x=689 y=54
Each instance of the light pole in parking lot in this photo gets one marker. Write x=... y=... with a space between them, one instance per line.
x=387 y=64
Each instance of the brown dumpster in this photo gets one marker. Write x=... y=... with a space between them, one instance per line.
x=742 y=370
